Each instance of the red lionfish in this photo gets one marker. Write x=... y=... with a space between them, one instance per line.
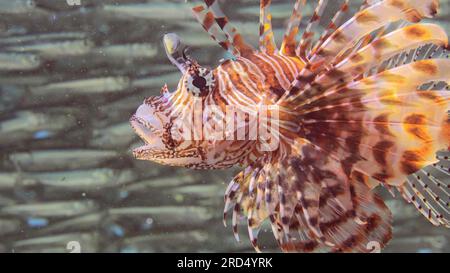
x=362 y=105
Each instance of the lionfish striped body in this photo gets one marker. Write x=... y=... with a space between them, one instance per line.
x=363 y=105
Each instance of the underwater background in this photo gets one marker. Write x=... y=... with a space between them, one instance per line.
x=71 y=74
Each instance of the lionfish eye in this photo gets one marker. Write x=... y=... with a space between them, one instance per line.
x=200 y=81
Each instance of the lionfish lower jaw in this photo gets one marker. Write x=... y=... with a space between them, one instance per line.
x=142 y=152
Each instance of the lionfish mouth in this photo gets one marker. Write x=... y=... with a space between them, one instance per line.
x=145 y=132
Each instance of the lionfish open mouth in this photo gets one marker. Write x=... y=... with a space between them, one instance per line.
x=144 y=130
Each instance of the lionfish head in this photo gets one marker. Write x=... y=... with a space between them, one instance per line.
x=163 y=121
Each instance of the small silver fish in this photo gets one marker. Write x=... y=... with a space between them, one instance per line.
x=55 y=49
x=17 y=6
x=19 y=61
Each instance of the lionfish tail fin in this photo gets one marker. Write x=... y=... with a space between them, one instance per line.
x=212 y=18
x=311 y=204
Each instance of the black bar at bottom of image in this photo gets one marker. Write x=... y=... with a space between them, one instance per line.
x=221 y=262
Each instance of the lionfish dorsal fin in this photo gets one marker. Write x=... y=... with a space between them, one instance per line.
x=214 y=22
x=308 y=34
x=289 y=39
x=334 y=24
x=266 y=37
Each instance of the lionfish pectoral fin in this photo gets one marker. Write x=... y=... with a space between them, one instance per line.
x=386 y=47
x=399 y=43
x=218 y=26
x=392 y=130
x=372 y=18
x=429 y=189
x=358 y=28
x=311 y=204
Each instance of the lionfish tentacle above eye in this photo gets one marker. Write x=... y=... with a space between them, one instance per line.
x=200 y=81
x=266 y=36
x=175 y=51
x=290 y=36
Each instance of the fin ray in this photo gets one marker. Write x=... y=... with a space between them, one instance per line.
x=290 y=36
x=266 y=37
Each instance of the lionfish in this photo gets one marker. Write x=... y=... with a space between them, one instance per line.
x=363 y=104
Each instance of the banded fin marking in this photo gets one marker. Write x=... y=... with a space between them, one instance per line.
x=206 y=19
x=237 y=40
x=372 y=18
x=266 y=36
x=334 y=24
x=290 y=37
x=307 y=37
x=359 y=26
x=384 y=48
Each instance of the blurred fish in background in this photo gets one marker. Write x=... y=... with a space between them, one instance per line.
x=71 y=75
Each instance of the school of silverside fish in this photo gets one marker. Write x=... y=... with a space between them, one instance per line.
x=70 y=77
